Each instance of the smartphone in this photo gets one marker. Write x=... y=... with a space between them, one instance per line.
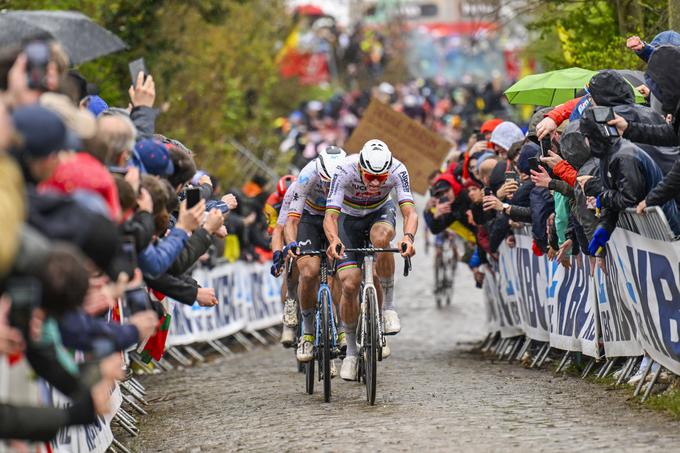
x=37 y=57
x=533 y=163
x=546 y=146
x=511 y=175
x=137 y=66
x=480 y=137
x=488 y=191
x=136 y=300
x=193 y=196
x=118 y=170
x=26 y=294
x=443 y=199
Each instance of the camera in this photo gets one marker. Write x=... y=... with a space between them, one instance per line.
x=602 y=115
x=136 y=300
x=37 y=57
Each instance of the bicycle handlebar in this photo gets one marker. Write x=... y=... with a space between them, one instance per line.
x=373 y=250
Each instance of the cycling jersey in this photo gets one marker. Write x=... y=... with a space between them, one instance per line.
x=348 y=193
x=309 y=194
x=285 y=205
x=276 y=208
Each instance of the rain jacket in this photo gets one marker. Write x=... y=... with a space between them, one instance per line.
x=629 y=174
x=667 y=189
x=662 y=70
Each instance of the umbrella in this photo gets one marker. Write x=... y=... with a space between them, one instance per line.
x=550 y=88
x=309 y=10
x=555 y=87
x=82 y=39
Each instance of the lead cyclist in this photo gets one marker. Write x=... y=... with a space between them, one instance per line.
x=359 y=202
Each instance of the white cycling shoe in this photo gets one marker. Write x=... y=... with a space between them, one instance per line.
x=391 y=322
x=350 y=367
x=386 y=352
x=305 y=350
x=288 y=336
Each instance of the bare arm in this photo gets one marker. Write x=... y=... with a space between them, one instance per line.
x=330 y=227
x=291 y=228
x=408 y=211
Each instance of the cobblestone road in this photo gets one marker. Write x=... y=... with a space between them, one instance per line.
x=432 y=396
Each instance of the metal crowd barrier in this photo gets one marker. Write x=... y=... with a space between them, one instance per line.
x=653 y=224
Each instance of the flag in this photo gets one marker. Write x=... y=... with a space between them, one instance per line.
x=155 y=344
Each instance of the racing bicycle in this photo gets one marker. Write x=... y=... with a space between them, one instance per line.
x=326 y=334
x=370 y=333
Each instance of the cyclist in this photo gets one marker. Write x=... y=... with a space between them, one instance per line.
x=304 y=229
x=358 y=203
x=275 y=211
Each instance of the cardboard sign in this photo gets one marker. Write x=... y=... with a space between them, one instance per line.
x=420 y=149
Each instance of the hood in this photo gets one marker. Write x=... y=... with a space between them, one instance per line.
x=573 y=145
x=662 y=69
x=609 y=88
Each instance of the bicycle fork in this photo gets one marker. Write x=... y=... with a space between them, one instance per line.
x=331 y=317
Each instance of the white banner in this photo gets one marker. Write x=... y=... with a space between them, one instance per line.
x=249 y=298
x=531 y=277
x=649 y=283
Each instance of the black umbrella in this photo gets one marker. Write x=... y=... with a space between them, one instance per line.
x=82 y=39
x=635 y=78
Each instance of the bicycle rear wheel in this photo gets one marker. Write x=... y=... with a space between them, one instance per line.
x=325 y=356
x=439 y=277
x=371 y=348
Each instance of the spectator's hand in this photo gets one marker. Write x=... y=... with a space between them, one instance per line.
x=145 y=202
x=492 y=203
x=221 y=233
x=620 y=123
x=111 y=367
x=204 y=179
x=640 y=208
x=635 y=44
x=441 y=209
x=591 y=203
x=470 y=217
x=11 y=340
x=145 y=322
x=133 y=177
x=552 y=253
x=101 y=395
x=17 y=82
x=511 y=241
x=250 y=219
x=545 y=127
x=190 y=219
x=230 y=201
x=600 y=239
x=479 y=146
x=143 y=94
x=214 y=221
x=582 y=180
x=407 y=247
x=563 y=253
x=541 y=177
x=431 y=203
x=551 y=160
x=643 y=89
x=508 y=189
x=206 y=297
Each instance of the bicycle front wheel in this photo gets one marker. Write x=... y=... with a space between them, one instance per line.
x=371 y=348
x=325 y=356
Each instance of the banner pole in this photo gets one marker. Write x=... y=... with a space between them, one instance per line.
x=651 y=384
x=563 y=362
x=642 y=379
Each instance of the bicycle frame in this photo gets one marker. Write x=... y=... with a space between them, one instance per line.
x=324 y=288
x=367 y=285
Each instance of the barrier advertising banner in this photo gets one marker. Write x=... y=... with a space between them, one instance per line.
x=649 y=283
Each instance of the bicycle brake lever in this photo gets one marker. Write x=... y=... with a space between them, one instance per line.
x=407 y=265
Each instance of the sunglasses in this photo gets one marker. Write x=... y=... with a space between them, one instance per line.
x=369 y=177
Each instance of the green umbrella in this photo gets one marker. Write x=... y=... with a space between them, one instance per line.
x=555 y=87
x=550 y=88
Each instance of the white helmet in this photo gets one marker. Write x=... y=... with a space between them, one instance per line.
x=328 y=160
x=375 y=157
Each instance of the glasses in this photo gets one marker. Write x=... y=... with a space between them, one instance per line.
x=370 y=177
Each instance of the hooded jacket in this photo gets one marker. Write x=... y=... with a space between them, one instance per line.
x=629 y=174
x=662 y=70
x=667 y=189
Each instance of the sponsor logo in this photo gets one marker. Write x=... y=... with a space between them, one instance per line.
x=307 y=242
x=403 y=176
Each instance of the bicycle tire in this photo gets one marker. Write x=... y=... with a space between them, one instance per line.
x=371 y=351
x=438 y=279
x=309 y=377
x=325 y=356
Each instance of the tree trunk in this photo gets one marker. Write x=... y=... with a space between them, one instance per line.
x=674 y=14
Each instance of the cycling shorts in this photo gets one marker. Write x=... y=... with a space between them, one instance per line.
x=352 y=231
x=310 y=235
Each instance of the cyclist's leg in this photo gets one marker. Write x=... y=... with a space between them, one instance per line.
x=382 y=233
x=351 y=231
x=308 y=238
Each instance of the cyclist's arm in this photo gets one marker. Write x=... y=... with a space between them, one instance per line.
x=277 y=238
x=291 y=228
x=408 y=211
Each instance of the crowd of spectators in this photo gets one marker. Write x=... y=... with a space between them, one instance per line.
x=104 y=218
x=578 y=166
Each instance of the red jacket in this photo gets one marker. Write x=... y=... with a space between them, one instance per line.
x=565 y=172
x=562 y=112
